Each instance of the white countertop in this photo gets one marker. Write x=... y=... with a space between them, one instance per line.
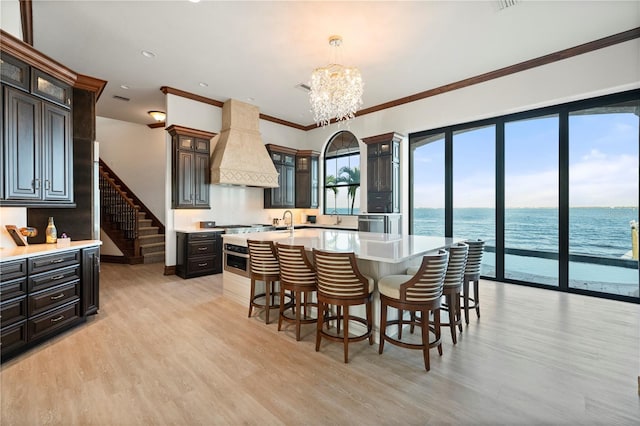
x=327 y=225
x=366 y=245
x=14 y=253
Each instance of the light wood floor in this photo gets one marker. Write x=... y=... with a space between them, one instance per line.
x=164 y=350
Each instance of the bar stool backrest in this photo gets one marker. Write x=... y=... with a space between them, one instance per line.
x=426 y=284
x=295 y=267
x=455 y=268
x=338 y=275
x=262 y=256
x=474 y=258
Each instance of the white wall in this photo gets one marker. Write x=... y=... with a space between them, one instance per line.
x=12 y=216
x=609 y=70
x=136 y=154
x=10 y=17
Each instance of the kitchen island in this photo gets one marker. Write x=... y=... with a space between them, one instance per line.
x=378 y=254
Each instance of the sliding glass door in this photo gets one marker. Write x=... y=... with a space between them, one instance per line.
x=474 y=189
x=603 y=199
x=531 y=200
x=427 y=191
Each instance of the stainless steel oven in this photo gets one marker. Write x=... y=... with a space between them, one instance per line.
x=236 y=259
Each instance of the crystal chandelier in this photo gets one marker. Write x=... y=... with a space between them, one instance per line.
x=336 y=90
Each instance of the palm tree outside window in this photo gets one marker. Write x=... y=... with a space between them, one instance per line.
x=342 y=175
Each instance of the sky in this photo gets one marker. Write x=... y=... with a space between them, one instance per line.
x=603 y=164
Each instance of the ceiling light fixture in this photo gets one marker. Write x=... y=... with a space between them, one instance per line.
x=158 y=115
x=336 y=90
x=148 y=54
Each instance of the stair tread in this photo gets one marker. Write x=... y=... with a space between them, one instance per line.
x=152 y=244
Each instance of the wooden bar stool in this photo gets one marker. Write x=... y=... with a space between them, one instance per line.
x=263 y=267
x=340 y=283
x=472 y=274
x=298 y=276
x=420 y=293
x=452 y=288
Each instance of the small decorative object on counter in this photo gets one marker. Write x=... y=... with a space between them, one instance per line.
x=17 y=236
x=51 y=232
x=29 y=231
x=63 y=241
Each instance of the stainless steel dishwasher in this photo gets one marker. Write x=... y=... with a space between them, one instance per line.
x=383 y=223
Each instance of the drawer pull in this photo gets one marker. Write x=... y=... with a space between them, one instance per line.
x=58 y=318
x=203 y=248
x=59 y=296
x=57 y=261
x=57 y=277
x=202 y=264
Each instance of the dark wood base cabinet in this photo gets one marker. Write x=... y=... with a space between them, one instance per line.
x=198 y=254
x=41 y=296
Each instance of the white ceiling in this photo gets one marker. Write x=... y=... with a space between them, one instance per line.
x=257 y=52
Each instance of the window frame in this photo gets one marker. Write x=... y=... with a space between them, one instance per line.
x=347 y=186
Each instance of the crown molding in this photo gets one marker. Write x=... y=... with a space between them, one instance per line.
x=481 y=78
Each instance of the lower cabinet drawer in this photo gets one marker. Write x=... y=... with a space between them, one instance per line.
x=48 y=299
x=46 y=323
x=48 y=262
x=11 y=289
x=203 y=266
x=53 y=278
x=200 y=248
x=13 y=311
x=13 y=337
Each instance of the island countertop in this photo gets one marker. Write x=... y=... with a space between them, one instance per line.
x=387 y=248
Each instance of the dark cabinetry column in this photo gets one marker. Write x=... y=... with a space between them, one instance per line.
x=383 y=173
x=284 y=159
x=190 y=167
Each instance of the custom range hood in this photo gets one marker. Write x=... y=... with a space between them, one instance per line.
x=240 y=157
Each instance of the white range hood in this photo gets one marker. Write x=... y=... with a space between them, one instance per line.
x=240 y=157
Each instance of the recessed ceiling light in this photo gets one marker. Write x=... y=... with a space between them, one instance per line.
x=124 y=86
x=194 y=1
x=148 y=54
x=203 y=84
x=250 y=99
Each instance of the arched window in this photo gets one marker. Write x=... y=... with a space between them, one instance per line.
x=342 y=175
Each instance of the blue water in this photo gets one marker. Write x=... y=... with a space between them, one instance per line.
x=596 y=231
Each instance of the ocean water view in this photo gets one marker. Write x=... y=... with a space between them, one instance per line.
x=600 y=244
x=596 y=231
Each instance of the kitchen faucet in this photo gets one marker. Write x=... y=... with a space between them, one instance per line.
x=338 y=220
x=284 y=216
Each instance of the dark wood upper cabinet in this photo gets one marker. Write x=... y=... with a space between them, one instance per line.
x=37 y=150
x=190 y=167
x=37 y=144
x=383 y=173
x=307 y=179
x=284 y=159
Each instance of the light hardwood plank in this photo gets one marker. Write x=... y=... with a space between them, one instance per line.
x=164 y=350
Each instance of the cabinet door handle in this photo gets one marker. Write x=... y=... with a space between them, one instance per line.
x=57 y=277
x=47 y=184
x=60 y=296
x=35 y=184
x=58 y=318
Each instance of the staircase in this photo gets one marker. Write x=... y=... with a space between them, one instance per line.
x=128 y=222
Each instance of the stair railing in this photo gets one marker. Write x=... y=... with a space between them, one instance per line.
x=120 y=210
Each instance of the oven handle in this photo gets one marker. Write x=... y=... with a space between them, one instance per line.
x=235 y=253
